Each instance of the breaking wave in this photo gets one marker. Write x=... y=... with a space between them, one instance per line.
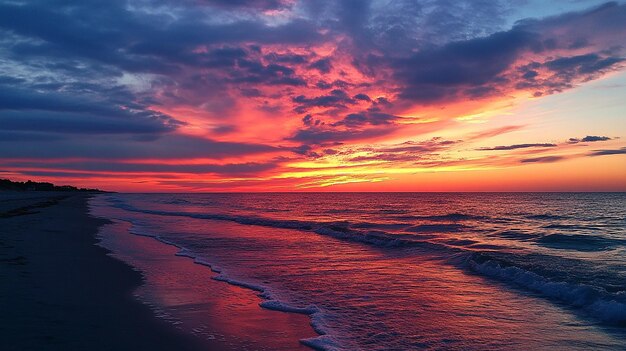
x=606 y=306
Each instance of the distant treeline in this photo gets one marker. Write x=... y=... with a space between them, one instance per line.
x=6 y=184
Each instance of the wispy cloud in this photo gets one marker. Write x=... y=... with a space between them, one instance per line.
x=515 y=147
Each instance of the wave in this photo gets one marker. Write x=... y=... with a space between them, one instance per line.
x=598 y=302
x=339 y=229
x=570 y=227
x=546 y=216
x=280 y=306
x=579 y=242
x=515 y=235
x=436 y=228
x=175 y=202
x=449 y=217
x=382 y=226
x=323 y=342
x=602 y=295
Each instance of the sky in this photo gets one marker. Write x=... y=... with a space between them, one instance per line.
x=314 y=95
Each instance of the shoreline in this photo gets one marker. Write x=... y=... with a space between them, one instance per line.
x=61 y=291
x=197 y=300
x=75 y=280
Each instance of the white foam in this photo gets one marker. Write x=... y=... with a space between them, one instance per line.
x=240 y=283
x=598 y=303
x=321 y=343
x=339 y=230
x=280 y=306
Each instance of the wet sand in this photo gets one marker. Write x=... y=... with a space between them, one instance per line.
x=62 y=290
x=59 y=291
x=181 y=291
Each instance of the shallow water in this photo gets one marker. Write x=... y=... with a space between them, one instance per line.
x=404 y=271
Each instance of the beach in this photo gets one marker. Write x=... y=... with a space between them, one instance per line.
x=286 y=272
x=61 y=291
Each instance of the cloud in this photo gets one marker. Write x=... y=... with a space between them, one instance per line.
x=495 y=132
x=323 y=65
x=362 y=97
x=238 y=169
x=317 y=136
x=253 y=80
x=581 y=64
x=337 y=98
x=588 y=139
x=353 y=126
x=122 y=147
x=433 y=75
x=250 y=4
x=135 y=40
x=73 y=108
x=519 y=59
x=514 y=147
x=85 y=123
x=621 y=151
x=356 y=120
x=410 y=151
x=543 y=159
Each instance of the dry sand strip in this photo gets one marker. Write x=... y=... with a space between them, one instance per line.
x=59 y=291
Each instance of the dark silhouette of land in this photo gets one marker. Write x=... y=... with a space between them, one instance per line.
x=9 y=185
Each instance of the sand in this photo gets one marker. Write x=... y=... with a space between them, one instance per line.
x=225 y=316
x=62 y=289
x=59 y=291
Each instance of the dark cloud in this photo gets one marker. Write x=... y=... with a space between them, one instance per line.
x=87 y=166
x=543 y=159
x=362 y=97
x=485 y=66
x=386 y=157
x=289 y=58
x=168 y=146
x=134 y=41
x=272 y=74
x=357 y=120
x=592 y=138
x=514 y=147
x=588 y=139
x=249 y=4
x=323 y=65
x=463 y=68
x=317 y=136
x=621 y=151
x=337 y=98
x=16 y=136
x=581 y=64
x=353 y=126
x=76 y=109
x=85 y=123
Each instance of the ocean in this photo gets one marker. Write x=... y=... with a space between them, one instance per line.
x=408 y=271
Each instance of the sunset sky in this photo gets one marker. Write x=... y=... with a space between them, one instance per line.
x=280 y=95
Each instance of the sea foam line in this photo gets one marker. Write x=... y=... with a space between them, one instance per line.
x=337 y=230
x=323 y=342
x=610 y=308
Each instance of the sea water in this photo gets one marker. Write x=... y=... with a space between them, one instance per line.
x=410 y=271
